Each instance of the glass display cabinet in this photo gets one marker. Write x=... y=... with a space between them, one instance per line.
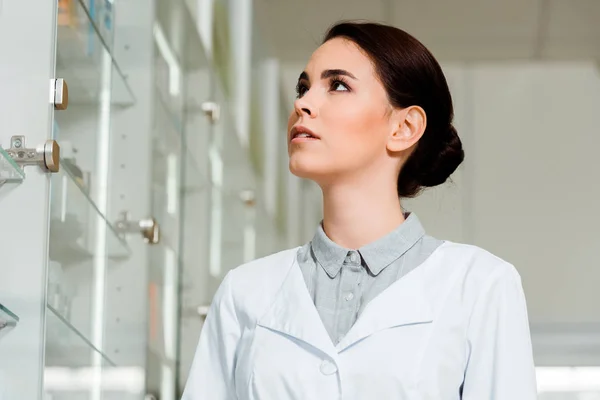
x=125 y=192
x=104 y=171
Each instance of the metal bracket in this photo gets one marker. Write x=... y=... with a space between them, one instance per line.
x=7 y=324
x=148 y=228
x=203 y=311
x=248 y=197
x=212 y=111
x=194 y=312
x=46 y=156
x=59 y=94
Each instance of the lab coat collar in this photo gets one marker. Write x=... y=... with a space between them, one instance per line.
x=402 y=303
x=293 y=312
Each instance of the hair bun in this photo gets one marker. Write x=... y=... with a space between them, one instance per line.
x=444 y=160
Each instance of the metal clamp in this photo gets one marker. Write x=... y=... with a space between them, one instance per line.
x=47 y=156
x=248 y=197
x=203 y=311
x=149 y=228
x=59 y=94
x=212 y=111
x=194 y=312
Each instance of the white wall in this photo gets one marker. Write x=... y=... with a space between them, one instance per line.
x=530 y=141
x=528 y=189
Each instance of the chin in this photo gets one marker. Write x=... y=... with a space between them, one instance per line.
x=305 y=167
x=300 y=170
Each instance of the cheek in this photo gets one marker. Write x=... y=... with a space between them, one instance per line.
x=357 y=125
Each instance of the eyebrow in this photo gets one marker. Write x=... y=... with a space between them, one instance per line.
x=328 y=73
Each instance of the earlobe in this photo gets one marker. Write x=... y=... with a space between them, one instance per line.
x=408 y=127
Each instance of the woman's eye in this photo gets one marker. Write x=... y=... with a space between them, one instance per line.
x=339 y=87
x=301 y=90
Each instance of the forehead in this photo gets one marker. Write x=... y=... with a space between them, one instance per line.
x=340 y=53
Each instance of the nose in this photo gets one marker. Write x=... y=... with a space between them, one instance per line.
x=305 y=107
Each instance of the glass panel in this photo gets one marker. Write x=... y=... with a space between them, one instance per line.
x=195 y=251
x=166 y=168
x=8 y=320
x=232 y=176
x=73 y=365
x=9 y=170
x=222 y=44
x=195 y=203
x=10 y=173
x=167 y=149
x=257 y=92
x=265 y=229
x=74 y=221
x=164 y=258
x=87 y=19
x=83 y=60
x=27 y=33
x=81 y=241
x=84 y=245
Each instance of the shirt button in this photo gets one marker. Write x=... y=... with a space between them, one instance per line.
x=328 y=368
x=349 y=296
x=353 y=257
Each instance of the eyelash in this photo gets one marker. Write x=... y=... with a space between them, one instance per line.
x=333 y=81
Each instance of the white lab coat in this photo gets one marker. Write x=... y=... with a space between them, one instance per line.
x=454 y=328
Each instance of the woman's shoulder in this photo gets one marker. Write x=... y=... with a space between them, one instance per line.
x=258 y=281
x=275 y=265
x=473 y=265
x=473 y=257
x=459 y=275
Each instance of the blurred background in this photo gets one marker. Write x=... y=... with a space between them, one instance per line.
x=171 y=120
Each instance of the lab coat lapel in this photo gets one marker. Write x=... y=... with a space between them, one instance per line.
x=403 y=303
x=293 y=313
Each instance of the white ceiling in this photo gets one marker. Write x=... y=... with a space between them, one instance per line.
x=454 y=30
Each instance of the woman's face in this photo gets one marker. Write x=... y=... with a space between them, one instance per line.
x=341 y=119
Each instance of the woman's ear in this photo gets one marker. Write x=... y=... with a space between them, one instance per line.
x=408 y=125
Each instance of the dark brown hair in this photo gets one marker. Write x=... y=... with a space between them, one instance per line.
x=411 y=76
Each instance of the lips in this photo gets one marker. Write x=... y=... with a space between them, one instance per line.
x=302 y=133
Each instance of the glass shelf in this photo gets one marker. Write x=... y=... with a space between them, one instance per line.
x=77 y=226
x=8 y=320
x=196 y=179
x=88 y=15
x=85 y=61
x=74 y=367
x=82 y=241
x=66 y=345
x=9 y=170
x=168 y=134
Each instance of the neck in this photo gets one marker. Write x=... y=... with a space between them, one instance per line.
x=355 y=215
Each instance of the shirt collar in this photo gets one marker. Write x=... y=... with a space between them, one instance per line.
x=327 y=253
x=376 y=255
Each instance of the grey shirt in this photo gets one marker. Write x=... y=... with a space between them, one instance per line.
x=342 y=281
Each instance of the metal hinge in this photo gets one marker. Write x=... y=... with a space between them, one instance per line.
x=46 y=156
x=212 y=110
x=148 y=228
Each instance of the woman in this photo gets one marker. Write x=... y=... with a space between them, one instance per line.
x=371 y=308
